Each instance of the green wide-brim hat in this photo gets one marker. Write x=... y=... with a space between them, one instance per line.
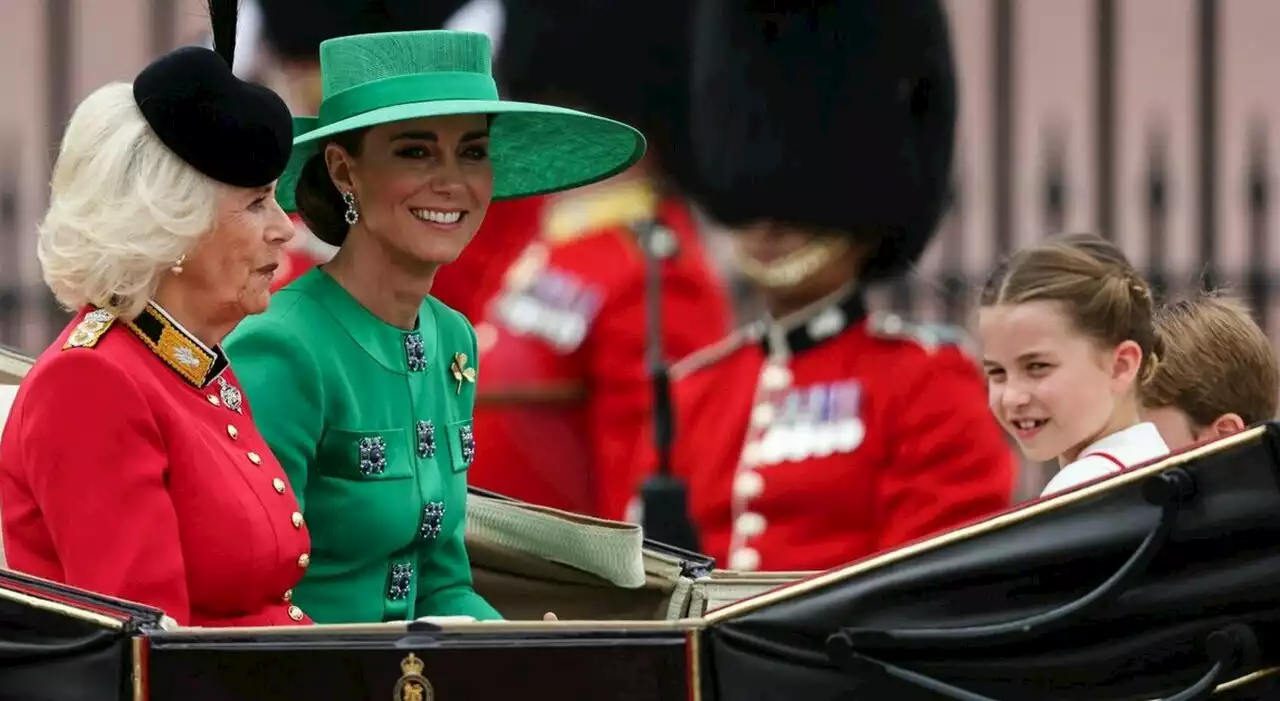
x=372 y=79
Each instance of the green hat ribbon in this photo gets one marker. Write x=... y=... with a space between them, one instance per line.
x=401 y=89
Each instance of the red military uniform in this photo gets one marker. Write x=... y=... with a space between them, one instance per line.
x=130 y=466
x=563 y=396
x=810 y=443
x=468 y=283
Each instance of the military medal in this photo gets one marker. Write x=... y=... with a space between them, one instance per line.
x=230 y=395
x=461 y=372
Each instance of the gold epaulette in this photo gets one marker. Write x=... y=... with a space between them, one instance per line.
x=709 y=355
x=592 y=210
x=90 y=330
x=929 y=336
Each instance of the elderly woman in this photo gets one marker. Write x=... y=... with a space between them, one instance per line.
x=364 y=382
x=130 y=465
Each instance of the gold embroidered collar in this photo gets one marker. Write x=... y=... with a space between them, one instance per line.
x=181 y=351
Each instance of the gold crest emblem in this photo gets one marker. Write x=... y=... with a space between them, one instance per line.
x=412 y=686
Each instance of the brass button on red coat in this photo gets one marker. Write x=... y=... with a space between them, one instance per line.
x=295 y=613
x=234 y=433
x=255 y=458
x=298 y=520
x=288 y=595
x=278 y=484
x=303 y=560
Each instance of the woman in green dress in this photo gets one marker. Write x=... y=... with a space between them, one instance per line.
x=362 y=383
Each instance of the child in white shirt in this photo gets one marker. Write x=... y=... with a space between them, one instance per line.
x=1068 y=339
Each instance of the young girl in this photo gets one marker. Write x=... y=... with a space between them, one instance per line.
x=1068 y=338
x=1218 y=373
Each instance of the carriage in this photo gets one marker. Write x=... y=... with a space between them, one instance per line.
x=1158 y=583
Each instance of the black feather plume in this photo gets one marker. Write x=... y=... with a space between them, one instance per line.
x=222 y=19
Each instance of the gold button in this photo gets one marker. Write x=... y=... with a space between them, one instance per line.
x=235 y=433
x=254 y=457
x=213 y=399
x=295 y=613
x=278 y=484
x=304 y=560
x=288 y=595
x=297 y=520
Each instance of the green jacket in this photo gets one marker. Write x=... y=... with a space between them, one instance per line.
x=374 y=430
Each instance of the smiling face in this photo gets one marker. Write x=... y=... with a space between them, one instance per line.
x=230 y=271
x=1054 y=389
x=422 y=186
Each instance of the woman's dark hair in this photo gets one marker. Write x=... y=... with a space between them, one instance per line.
x=319 y=202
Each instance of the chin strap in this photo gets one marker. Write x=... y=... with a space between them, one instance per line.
x=795 y=267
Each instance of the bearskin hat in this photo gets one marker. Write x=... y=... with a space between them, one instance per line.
x=294 y=29
x=623 y=59
x=828 y=115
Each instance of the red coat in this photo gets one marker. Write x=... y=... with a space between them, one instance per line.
x=863 y=434
x=469 y=282
x=139 y=474
x=563 y=395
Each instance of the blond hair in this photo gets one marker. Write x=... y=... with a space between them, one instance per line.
x=1217 y=361
x=1101 y=293
x=122 y=207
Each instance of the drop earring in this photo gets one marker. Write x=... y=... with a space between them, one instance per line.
x=352 y=214
x=176 y=268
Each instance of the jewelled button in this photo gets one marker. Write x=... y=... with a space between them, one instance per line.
x=234 y=433
x=426 y=432
x=213 y=399
x=303 y=560
x=288 y=595
x=295 y=613
x=400 y=581
x=432 y=517
x=373 y=455
x=278 y=484
x=297 y=519
x=415 y=353
x=468 y=440
x=255 y=458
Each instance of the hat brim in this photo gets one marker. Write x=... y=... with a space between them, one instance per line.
x=535 y=149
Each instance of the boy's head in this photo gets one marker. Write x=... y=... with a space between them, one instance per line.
x=1217 y=375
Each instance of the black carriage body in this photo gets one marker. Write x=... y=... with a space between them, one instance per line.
x=1127 y=589
x=1160 y=583
x=567 y=662
x=63 y=644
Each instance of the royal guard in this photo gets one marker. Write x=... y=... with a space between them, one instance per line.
x=564 y=392
x=287 y=60
x=828 y=431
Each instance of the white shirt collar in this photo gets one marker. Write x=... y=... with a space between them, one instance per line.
x=1132 y=446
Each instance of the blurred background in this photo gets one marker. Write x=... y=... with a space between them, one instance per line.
x=1150 y=121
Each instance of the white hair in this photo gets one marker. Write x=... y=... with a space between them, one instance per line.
x=123 y=208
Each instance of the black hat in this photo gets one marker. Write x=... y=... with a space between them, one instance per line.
x=835 y=115
x=235 y=132
x=623 y=59
x=294 y=29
